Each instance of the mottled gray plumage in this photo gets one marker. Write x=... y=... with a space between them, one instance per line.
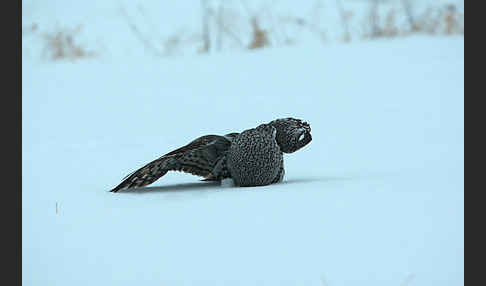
x=254 y=158
x=251 y=158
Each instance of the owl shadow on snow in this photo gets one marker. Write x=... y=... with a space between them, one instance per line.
x=211 y=186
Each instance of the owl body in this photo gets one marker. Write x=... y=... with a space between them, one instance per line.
x=254 y=158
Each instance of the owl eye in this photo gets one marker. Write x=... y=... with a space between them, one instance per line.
x=301 y=137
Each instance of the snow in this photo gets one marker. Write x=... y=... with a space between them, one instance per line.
x=377 y=198
x=227 y=183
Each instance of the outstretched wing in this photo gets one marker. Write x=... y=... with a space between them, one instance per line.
x=198 y=158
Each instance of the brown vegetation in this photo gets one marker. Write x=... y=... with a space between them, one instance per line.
x=61 y=45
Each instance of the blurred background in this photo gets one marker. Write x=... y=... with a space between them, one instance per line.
x=60 y=30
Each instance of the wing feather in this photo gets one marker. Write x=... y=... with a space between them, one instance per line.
x=198 y=158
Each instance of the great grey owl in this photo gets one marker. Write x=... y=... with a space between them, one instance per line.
x=253 y=157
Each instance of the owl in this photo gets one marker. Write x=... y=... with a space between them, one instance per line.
x=253 y=157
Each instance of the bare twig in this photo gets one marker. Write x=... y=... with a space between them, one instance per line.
x=273 y=26
x=344 y=21
x=232 y=35
x=219 y=36
x=148 y=19
x=407 y=7
x=205 y=27
x=147 y=44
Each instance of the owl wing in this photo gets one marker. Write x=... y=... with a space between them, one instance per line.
x=198 y=158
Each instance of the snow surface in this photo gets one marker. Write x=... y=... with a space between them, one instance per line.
x=377 y=198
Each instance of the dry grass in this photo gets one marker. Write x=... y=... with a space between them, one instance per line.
x=375 y=27
x=260 y=36
x=439 y=20
x=453 y=21
x=383 y=20
x=60 y=45
x=173 y=45
x=29 y=29
x=224 y=26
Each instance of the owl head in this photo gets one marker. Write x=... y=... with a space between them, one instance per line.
x=292 y=134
